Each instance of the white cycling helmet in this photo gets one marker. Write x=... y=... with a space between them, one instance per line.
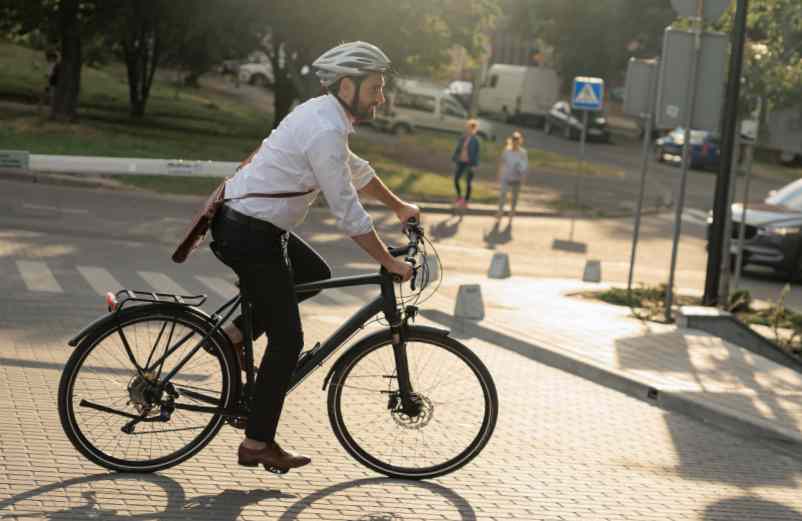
x=350 y=59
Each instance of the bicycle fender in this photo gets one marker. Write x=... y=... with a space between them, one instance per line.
x=375 y=337
x=103 y=321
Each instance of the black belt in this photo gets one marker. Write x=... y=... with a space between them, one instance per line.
x=230 y=214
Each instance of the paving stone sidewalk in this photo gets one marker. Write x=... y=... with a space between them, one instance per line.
x=684 y=370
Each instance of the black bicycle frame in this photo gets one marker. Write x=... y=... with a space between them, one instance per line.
x=314 y=358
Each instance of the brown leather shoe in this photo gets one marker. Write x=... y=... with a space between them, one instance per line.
x=272 y=457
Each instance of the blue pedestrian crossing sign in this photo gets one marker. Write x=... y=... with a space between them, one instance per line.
x=587 y=93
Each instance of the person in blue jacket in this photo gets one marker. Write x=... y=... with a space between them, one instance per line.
x=466 y=156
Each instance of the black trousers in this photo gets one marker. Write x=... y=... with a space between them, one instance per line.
x=461 y=169
x=269 y=262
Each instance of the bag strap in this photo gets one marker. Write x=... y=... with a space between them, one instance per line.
x=279 y=195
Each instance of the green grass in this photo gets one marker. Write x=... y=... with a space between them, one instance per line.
x=443 y=145
x=416 y=185
x=179 y=123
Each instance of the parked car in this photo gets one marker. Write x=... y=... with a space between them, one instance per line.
x=704 y=151
x=568 y=122
x=258 y=73
x=462 y=90
x=413 y=105
x=772 y=231
x=518 y=94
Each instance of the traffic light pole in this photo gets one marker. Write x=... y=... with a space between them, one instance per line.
x=716 y=238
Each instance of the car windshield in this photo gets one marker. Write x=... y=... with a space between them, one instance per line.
x=789 y=196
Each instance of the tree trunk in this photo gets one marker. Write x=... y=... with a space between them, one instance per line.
x=284 y=91
x=64 y=104
x=141 y=50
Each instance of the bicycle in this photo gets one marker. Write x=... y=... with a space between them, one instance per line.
x=407 y=401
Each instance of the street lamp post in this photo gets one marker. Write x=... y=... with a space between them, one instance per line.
x=720 y=201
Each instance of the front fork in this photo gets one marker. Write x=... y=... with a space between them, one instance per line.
x=410 y=404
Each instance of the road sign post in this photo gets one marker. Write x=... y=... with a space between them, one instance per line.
x=586 y=94
x=639 y=98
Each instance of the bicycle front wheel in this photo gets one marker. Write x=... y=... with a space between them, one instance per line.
x=116 y=376
x=457 y=397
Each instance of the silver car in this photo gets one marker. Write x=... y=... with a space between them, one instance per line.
x=772 y=231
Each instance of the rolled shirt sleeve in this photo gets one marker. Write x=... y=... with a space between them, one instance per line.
x=361 y=171
x=331 y=163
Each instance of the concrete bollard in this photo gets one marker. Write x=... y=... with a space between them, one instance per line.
x=469 y=303
x=592 y=271
x=499 y=266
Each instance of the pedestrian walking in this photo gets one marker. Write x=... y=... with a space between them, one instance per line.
x=513 y=164
x=466 y=157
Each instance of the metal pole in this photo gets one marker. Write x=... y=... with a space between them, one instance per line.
x=579 y=170
x=724 y=285
x=714 y=246
x=686 y=148
x=647 y=138
x=742 y=228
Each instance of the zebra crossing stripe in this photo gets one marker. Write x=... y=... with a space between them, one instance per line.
x=100 y=279
x=220 y=286
x=38 y=277
x=161 y=283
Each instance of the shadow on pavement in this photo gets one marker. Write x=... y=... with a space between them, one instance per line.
x=445 y=228
x=570 y=246
x=224 y=506
x=498 y=235
x=462 y=506
x=749 y=507
x=712 y=456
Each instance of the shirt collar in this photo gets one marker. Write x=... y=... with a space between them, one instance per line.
x=345 y=119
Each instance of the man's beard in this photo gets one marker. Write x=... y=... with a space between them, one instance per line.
x=365 y=113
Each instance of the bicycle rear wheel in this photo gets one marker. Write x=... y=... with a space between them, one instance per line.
x=459 y=405
x=102 y=390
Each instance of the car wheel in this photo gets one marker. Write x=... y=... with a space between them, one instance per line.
x=401 y=128
x=258 y=80
x=547 y=128
x=567 y=132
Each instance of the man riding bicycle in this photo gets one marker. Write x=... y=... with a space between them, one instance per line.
x=308 y=153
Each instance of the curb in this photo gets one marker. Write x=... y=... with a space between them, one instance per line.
x=779 y=438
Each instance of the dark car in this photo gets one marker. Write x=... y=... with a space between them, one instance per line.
x=772 y=231
x=568 y=122
x=704 y=151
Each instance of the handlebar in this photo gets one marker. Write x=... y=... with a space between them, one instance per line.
x=414 y=232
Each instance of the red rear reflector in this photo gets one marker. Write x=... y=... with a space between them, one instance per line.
x=111 y=301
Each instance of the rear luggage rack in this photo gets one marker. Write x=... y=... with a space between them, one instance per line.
x=116 y=301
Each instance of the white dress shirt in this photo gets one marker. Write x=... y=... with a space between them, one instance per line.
x=308 y=151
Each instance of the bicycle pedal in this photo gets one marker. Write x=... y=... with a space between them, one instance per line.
x=275 y=470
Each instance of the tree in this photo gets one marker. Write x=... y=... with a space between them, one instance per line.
x=596 y=38
x=773 y=59
x=65 y=23
x=415 y=35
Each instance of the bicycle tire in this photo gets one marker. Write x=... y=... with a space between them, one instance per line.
x=215 y=366
x=425 y=349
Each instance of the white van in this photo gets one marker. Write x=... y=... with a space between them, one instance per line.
x=413 y=104
x=519 y=94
